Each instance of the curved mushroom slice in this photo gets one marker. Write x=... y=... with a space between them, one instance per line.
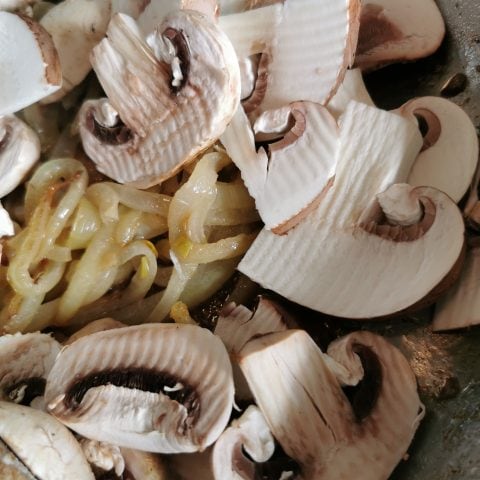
x=19 y=151
x=144 y=465
x=156 y=12
x=37 y=75
x=287 y=185
x=346 y=248
x=43 y=445
x=236 y=325
x=352 y=88
x=308 y=45
x=158 y=387
x=25 y=362
x=393 y=31
x=250 y=433
x=450 y=145
x=173 y=100
x=361 y=432
x=76 y=26
x=460 y=307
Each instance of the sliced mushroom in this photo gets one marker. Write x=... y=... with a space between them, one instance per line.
x=352 y=88
x=19 y=151
x=359 y=432
x=37 y=75
x=47 y=450
x=76 y=26
x=7 y=227
x=144 y=465
x=460 y=307
x=287 y=185
x=15 y=5
x=393 y=31
x=25 y=362
x=103 y=456
x=348 y=247
x=306 y=47
x=161 y=374
x=173 y=99
x=237 y=324
x=250 y=433
x=450 y=145
x=156 y=12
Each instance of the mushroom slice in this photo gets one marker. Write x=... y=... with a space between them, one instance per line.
x=156 y=387
x=393 y=31
x=348 y=247
x=25 y=362
x=450 y=145
x=287 y=185
x=308 y=45
x=250 y=433
x=103 y=456
x=156 y=12
x=43 y=445
x=37 y=75
x=361 y=432
x=460 y=307
x=100 y=325
x=76 y=26
x=7 y=227
x=19 y=151
x=237 y=324
x=173 y=99
x=352 y=88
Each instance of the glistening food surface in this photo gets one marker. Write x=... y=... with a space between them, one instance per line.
x=425 y=352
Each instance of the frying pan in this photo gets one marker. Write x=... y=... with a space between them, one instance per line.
x=447 y=444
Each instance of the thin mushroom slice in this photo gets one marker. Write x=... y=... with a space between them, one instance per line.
x=37 y=75
x=157 y=387
x=352 y=88
x=19 y=151
x=307 y=45
x=76 y=26
x=250 y=433
x=45 y=448
x=460 y=307
x=7 y=227
x=393 y=31
x=25 y=362
x=348 y=247
x=287 y=182
x=450 y=145
x=168 y=101
x=237 y=324
x=361 y=432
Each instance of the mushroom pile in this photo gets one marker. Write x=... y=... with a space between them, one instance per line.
x=356 y=213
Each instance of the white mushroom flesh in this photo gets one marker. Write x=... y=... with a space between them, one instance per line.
x=7 y=227
x=162 y=121
x=104 y=456
x=310 y=416
x=19 y=151
x=308 y=265
x=30 y=64
x=43 y=445
x=109 y=386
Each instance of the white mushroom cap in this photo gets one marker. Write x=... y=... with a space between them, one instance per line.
x=344 y=258
x=396 y=31
x=174 y=100
x=19 y=151
x=450 y=149
x=287 y=185
x=30 y=64
x=302 y=400
x=42 y=443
